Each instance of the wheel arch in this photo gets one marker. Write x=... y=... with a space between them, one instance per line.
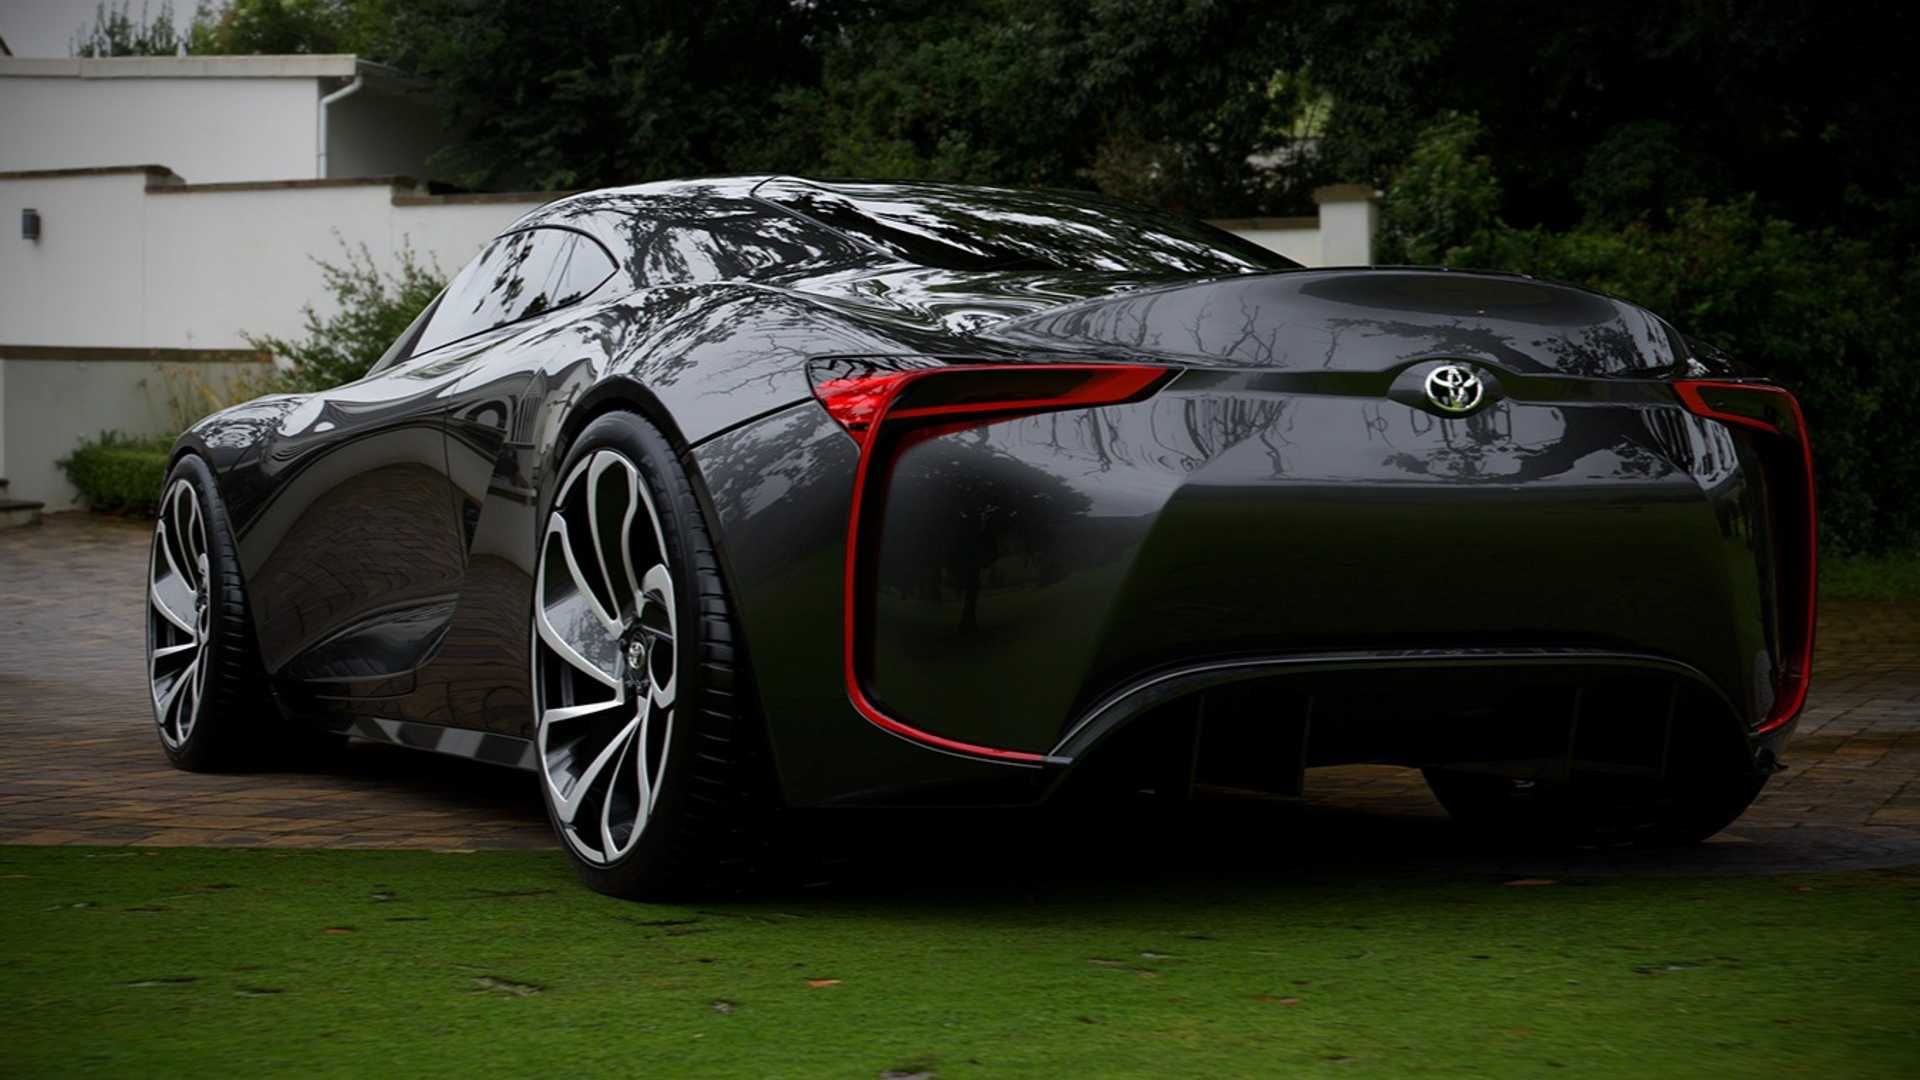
x=617 y=393
x=624 y=393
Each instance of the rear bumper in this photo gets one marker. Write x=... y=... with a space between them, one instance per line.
x=1449 y=693
x=1039 y=584
x=1558 y=715
x=1025 y=571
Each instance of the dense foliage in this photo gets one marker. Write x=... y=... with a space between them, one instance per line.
x=237 y=27
x=118 y=474
x=1598 y=112
x=371 y=309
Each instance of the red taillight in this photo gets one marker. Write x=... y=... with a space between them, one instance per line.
x=855 y=402
x=1775 y=414
x=960 y=392
x=930 y=399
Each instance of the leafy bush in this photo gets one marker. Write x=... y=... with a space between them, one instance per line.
x=371 y=309
x=1824 y=313
x=120 y=474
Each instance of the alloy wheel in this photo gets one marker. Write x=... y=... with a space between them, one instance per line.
x=179 y=614
x=604 y=660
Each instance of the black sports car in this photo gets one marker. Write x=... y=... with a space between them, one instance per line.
x=699 y=499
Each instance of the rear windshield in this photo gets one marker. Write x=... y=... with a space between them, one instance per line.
x=978 y=228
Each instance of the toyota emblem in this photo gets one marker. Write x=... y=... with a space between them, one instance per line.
x=1454 y=389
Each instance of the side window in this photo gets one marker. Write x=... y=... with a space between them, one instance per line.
x=518 y=276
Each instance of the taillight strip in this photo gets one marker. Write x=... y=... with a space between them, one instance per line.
x=1796 y=666
x=864 y=405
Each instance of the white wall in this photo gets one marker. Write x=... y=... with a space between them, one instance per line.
x=215 y=119
x=1349 y=217
x=266 y=243
x=186 y=267
x=206 y=130
x=83 y=283
x=1299 y=242
x=178 y=267
x=50 y=405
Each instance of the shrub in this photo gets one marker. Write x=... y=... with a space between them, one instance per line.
x=1821 y=312
x=371 y=309
x=120 y=474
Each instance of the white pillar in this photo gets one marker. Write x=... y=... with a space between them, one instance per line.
x=1349 y=214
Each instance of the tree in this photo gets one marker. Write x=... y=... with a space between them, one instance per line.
x=239 y=27
x=1618 y=110
x=280 y=27
x=1176 y=103
x=579 y=93
x=114 y=32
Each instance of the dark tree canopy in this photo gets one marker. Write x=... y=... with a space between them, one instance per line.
x=1595 y=111
x=1613 y=110
x=584 y=93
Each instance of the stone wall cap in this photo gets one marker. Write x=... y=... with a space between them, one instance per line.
x=1264 y=224
x=1345 y=193
x=317 y=66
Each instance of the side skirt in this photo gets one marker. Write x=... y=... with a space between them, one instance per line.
x=508 y=750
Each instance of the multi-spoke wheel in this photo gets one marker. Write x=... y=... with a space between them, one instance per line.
x=178 y=615
x=632 y=666
x=604 y=674
x=202 y=667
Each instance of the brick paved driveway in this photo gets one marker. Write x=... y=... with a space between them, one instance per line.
x=79 y=763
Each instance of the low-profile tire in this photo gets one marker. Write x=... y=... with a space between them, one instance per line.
x=650 y=752
x=1592 y=811
x=203 y=666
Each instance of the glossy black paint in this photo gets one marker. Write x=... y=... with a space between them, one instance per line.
x=1291 y=503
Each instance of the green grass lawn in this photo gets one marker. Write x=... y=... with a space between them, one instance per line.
x=155 y=962
x=1871 y=577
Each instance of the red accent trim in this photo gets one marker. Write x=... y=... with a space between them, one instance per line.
x=854 y=403
x=864 y=405
x=1796 y=668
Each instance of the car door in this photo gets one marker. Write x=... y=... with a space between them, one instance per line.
x=358 y=565
x=478 y=676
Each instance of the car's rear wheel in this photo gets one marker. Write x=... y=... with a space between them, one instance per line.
x=1683 y=809
x=649 y=751
x=203 y=669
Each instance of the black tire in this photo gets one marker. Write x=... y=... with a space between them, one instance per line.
x=706 y=830
x=231 y=703
x=1591 y=812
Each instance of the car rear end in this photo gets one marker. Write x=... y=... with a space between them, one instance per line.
x=1226 y=530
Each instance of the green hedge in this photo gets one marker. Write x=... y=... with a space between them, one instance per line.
x=119 y=474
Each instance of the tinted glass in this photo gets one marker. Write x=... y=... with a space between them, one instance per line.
x=974 y=228
x=403 y=346
x=696 y=232
x=518 y=276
